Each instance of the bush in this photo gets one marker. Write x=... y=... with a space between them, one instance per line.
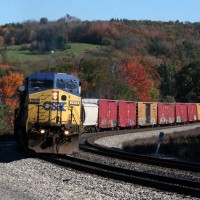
x=184 y=145
x=24 y=47
x=4 y=113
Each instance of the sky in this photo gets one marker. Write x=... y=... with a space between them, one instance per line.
x=18 y=11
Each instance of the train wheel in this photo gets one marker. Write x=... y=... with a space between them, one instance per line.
x=117 y=128
x=93 y=129
x=97 y=129
x=90 y=130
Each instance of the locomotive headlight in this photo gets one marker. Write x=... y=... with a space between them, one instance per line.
x=55 y=95
x=66 y=132
x=42 y=131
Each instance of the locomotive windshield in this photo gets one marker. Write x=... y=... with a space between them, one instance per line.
x=40 y=84
x=47 y=81
x=68 y=85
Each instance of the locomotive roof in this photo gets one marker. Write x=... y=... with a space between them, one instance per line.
x=53 y=76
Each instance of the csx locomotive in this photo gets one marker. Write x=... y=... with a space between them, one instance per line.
x=48 y=119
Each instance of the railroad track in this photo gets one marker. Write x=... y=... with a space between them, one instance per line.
x=182 y=186
x=164 y=183
x=91 y=147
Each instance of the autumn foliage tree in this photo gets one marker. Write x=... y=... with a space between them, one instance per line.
x=137 y=77
x=4 y=121
x=9 y=84
x=152 y=74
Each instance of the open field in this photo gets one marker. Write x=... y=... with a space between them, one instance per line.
x=17 y=55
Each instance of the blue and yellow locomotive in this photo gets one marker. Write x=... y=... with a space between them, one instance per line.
x=48 y=119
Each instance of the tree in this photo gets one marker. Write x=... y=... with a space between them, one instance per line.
x=4 y=122
x=43 y=20
x=166 y=83
x=153 y=75
x=100 y=80
x=8 y=95
x=9 y=84
x=122 y=90
x=136 y=76
x=49 y=38
x=26 y=33
x=1 y=41
x=95 y=74
x=188 y=83
x=3 y=54
x=158 y=48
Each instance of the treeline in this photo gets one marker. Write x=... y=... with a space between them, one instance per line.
x=165 y=41
x=140 y=60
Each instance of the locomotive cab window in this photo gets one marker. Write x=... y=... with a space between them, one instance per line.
x=40 y=84
x=68 y=85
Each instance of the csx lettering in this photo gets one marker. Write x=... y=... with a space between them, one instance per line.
x=54 y=106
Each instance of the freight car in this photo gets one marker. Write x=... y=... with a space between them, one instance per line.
x=90 y=117
x=103 y=114
x=192 y=112
x=48 y=119
x=181 y=113
x=147 y=113
x=118 y=114
x=166 y=113
x=126 y=114
x=198 y=111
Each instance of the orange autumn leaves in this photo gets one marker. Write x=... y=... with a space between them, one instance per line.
x=138 y=79
x=8 y=86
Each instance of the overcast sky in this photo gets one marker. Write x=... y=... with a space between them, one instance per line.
x=14 y=11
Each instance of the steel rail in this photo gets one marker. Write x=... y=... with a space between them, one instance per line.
x=90 y=146
x=164 y=183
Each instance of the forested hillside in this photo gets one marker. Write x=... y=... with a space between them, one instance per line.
x=125 y=59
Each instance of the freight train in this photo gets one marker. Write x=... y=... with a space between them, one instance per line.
x=48 y=119
x=104 y=114
x=52 y=114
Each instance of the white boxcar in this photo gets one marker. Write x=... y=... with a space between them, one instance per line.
x=90 y=117
x=93 y=101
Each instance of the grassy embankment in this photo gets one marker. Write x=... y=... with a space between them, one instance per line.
x=182 y=145
x=31 y=62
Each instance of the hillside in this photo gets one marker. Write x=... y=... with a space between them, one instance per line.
x=36 y=62
x=136 y=60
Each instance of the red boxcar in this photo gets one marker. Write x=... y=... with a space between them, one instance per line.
x=126 y=114
x=181 y=113
x=107 y=113
x=192 y=112
x=166 y=113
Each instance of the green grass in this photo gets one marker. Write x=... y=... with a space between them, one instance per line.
x=14 y=52
x=80 y=48
x=31 y=63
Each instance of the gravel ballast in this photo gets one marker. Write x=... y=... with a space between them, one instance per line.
x=30 y=178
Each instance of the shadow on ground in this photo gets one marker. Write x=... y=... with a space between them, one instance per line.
x=9 y=150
